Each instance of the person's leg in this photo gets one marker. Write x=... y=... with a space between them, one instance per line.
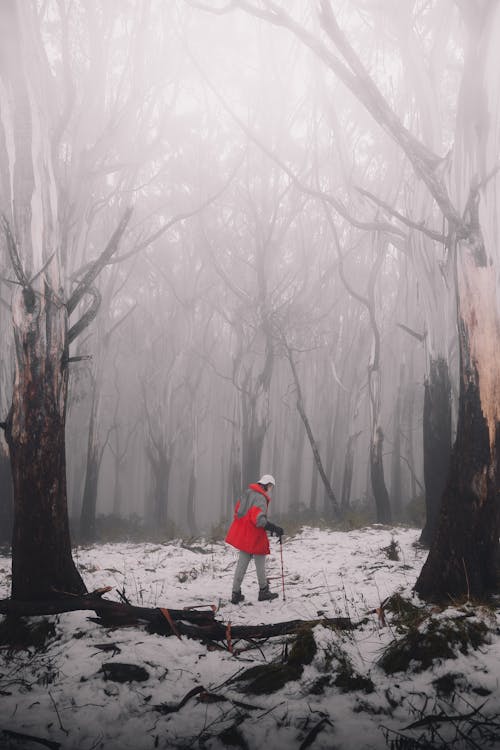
x=260 y=567
x=239 y=573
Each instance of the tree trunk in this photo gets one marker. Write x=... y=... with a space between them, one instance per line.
x=6 y=506
x=191 y=495
x=380 y=493
x=160 y=499
x=312 y=442
x=410 y=413
x=313 y=502
x=463 y=557
x=396 y=480
x=41 y=549
x=117 y=492
x=437 y=443
x=345 y=501
x=253 y=433
x=89 y=498
x=235 y=474
x=297 y=470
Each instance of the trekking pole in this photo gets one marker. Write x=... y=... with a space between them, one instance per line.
x=282 y=569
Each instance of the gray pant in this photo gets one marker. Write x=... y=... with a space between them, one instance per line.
x=241 y=568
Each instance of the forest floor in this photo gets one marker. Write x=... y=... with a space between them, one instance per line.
x=407 y=676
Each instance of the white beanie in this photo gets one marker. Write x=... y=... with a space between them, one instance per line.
x=267 y=479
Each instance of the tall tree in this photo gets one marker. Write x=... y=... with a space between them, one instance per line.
x=65 y=144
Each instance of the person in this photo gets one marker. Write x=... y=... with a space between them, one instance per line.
x=248 y=534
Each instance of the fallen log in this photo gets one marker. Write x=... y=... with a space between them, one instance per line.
x=193 y=623
x=217 y=631
x=9 y=734
x=104 y=608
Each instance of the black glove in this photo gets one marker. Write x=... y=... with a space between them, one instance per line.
x=273 y=529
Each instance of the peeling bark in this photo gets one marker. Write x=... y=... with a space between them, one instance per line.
x=463 y=557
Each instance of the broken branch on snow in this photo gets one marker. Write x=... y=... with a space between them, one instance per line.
x=194 y=623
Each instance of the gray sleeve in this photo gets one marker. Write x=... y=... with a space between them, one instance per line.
x=261 y=520
x=259 y=501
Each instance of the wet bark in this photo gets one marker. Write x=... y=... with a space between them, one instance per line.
x=437 y=443
x=41 y=549
x=6 y=504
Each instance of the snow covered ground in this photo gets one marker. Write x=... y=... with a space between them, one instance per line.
x=65 y=692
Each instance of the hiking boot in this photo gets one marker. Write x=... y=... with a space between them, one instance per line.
x=265 y=594
x=237 y=597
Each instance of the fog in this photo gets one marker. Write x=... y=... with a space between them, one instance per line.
x=283 y=283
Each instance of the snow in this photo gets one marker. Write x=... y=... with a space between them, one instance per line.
x=61 y=694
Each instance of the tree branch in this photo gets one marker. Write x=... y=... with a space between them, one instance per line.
x=178 y=218
x=318 y=194
x=359 y=82
x=14 y=254
x=88 y=315
x=314 y=447
x=418 y=336
x=97 y=266
x=119 y=322
x=437 y=236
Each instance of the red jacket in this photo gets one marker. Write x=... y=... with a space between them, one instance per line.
x=247 y=532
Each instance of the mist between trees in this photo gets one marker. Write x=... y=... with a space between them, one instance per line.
x=243 y=237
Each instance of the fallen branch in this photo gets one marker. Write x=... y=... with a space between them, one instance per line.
x=104 y=608
x=217 y=631
x=193 y=623
x=441 y=717
x=204 y=696
x=309 y=739
x=8 y=733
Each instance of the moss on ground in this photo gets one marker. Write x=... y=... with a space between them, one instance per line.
x=404 y=613
x=267 y=678
x=436 y=639
x=264 y=679
x=340 y=673
x=304 y=647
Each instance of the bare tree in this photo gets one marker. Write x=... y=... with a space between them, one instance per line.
x=463 y=557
